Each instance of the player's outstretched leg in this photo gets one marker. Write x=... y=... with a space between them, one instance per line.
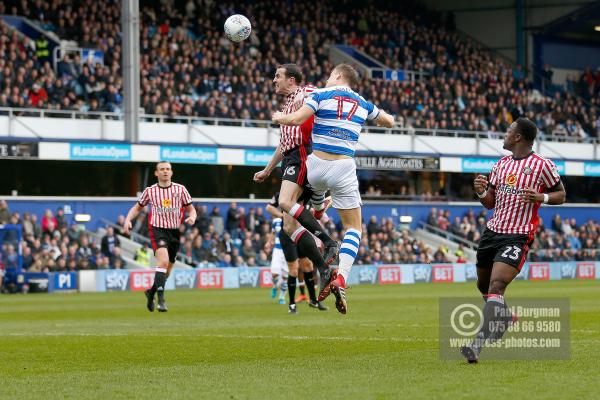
x=291 y=282
x=288 y=201
x=484 y=275
x=301 y=285
x=276 y=283
x=496 y=315
x=351 y=219
x=308 y=247
x=320 y=204
x=149 y=299
x=160 y=278
x=307 y=220
x=282 y=288
x=312 y=294
x=348 y=254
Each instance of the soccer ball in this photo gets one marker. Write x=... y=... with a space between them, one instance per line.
x=237 y=28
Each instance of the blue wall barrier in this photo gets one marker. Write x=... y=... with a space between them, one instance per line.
x=234 y=278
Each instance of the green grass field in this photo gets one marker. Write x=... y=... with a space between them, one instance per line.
x=238 y=344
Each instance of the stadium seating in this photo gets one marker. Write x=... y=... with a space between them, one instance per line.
x=563 y=240
x=189 y=69
x=245 y=239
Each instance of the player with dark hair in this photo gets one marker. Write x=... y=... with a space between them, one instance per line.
x=293 y=150
x=167 y=201
x=339 y=114
x=518 y=185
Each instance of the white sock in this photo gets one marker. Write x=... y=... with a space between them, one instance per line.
x=283 y=286
x=348 y=251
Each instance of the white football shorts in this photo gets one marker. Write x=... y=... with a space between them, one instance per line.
x=278 y=263
x=337 y=176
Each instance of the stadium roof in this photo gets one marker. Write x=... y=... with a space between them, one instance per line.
x=579 y=24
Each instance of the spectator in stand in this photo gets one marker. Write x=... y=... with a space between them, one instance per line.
x=27 y=257
x=460 y=254
x=233 y=220
x=225 y=261
x=4 y=213
x=116 y=259
x=86 y=250
x=465 y=86
x=203 y=219
x=49 y=222
x=440 y=255
x=557 y=224
x=372 y=227
x=442 y=221
x=143 y=254
x=120 y=222
x=217 y=220
x=61 y=221
x=102 y=262
x=74 y=231
x=565 y=240
x=382 y=242
x=27 y=224
x=248 y=250
x=432 y=218
x=455 y=227
x=109 y=241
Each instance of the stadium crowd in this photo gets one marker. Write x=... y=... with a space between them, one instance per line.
x=563 y=240
x=189 y=68
x=244 y=238
x=240 y=238
x=51 y=244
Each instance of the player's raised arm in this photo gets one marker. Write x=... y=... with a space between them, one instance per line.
x=131 y=215
x=384 y=119
x=192 y=215
x=558 y=195
x=485 y=191
x=274 y=211
x=263 y=174
x=293 y=119
x=555 y=197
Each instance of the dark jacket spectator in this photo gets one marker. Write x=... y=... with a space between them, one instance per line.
x=109 y=242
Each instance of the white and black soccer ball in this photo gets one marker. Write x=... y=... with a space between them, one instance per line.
x=237 y=28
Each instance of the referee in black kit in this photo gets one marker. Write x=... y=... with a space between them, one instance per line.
x=167 y=200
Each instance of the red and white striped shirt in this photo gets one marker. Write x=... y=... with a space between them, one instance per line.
x=166 y=204
x=509 y=177
x=294 y=136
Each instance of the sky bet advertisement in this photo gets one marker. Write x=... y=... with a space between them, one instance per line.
x=234 y=278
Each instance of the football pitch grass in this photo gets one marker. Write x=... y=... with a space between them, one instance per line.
x=239 y=344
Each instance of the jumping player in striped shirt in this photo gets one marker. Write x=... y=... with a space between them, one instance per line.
x=517 y=186
x=293 y=150
x=339 y=114
x=167 y=200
